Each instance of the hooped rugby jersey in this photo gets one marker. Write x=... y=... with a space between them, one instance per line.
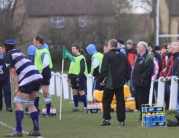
x=26 y=70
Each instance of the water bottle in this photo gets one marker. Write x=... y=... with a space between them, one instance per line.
x=144 y=119
x=149 y=120
x=158 y=116
x=153 y=117
x=143 y=109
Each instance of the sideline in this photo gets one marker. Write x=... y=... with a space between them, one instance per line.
x=3 y=124
x=24 y=132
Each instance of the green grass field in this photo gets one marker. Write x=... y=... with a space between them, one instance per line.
x=83 y=125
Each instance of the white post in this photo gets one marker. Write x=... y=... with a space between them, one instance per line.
x=65 y=86
x=157 y=22
x=161 y=91
x=151 y=91
x=173 y=93
x=89 y=87
x=60 y=115
x=52 y=84
x=58 y=83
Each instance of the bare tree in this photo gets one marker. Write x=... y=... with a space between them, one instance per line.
x=6 y=16
x=11 y=24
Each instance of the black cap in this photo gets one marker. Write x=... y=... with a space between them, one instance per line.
x=157 y=48
x=120 y=41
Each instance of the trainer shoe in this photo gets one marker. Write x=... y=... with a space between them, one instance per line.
x=9 y=110
x=27 y=113
x=75 y=110
x=34 y=133
x=121 y=123
x=14 y=134
x=105 y=123
x=84 y=109
x=46 y=115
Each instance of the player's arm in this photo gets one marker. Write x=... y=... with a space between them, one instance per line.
x=14 y=78
x=10 y=66
x=45 y=60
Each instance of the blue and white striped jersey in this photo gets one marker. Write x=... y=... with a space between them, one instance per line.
x=26 y=70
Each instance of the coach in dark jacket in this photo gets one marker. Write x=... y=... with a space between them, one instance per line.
x=141 y=76
x=115 y=72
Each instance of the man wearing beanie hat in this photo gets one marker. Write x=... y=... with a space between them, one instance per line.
x=141 y=75
x=131 y=54
x=157 y=49
x=121 y=46
x=151 y=48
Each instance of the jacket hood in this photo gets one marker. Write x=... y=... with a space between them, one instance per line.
x=31 y=50
x=91 y=49
x=44 y=46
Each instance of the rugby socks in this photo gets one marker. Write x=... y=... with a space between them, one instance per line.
x=75 y=99
x=36 y=103
x=35 y=120
x=84 y=100
x=19 y=117
x=48 y=104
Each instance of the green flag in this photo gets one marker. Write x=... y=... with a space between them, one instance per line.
x=66 y=54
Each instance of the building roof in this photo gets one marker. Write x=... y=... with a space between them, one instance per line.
x=69 y=7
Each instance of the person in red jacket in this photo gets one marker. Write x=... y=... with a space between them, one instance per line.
x=170 y=61
x=168 y=74
x=131 y=54
x=164 y=56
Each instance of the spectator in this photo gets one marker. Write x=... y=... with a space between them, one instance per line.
x=113 y=78
x=121 y=46
x=6 y=87
x=96 y=63
x=157 y=49
x=26 y=79
x=44 y=64
x=174 y=72
x=170 y=61
x=156 y=67
x=164 y=56
x=105 y=49
x=120 y=43
x=151 y=48
x=131 y=54
x=168 y=73
x=77 y=76
x=141 y=76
